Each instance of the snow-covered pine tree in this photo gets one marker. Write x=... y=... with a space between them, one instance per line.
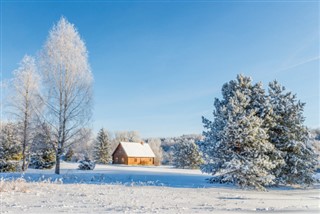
x=69 y=154
x=186 y=155
x=86 y=164
x=102 y=147
x=10 y=148
x=236 y=147
x=42 y=149
x=291 y=137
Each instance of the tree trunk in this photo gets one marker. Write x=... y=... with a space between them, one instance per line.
x=25 y=135
x=24 y=157
x=57 y=169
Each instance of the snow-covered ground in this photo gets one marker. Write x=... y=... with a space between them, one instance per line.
x=123 y=189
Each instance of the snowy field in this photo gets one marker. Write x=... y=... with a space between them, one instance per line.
x=123 y=189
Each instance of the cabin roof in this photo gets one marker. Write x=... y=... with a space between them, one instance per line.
x=133 y=149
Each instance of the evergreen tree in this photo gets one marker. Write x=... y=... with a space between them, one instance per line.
x=236 y=147
x=10 y=148
x=86 y=164
x=42 y=149
x=43 y=159
x=69 y=154
x=186 y=155
x=291 y=137
x=102 y=147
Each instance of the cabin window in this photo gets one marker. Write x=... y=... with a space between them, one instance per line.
x=135 y=160
x=122 y=160
x=116 y=160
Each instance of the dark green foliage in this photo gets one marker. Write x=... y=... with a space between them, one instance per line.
x=43 y=159
x=9 y=166
x=86 y=164
x=10 y=149
x=69 y=154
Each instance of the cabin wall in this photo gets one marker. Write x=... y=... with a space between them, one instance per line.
x=119 y=156
x=140 y=161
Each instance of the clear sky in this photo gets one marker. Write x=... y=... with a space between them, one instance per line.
x=159 y=65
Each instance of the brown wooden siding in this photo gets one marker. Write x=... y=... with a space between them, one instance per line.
x=119 y=156
x=140 y=161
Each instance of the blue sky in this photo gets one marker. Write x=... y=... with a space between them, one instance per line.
x=159 y=65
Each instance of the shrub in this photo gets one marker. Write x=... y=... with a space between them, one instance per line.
x=87 y=164
x=9 y=166
x=44 y=159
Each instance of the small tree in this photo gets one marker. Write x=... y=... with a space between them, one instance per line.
x=102 y=147
x=86 y=164
x=10 y=148
x=186 y=155
x=43 y=159
x=42 y=150
x=69 y=154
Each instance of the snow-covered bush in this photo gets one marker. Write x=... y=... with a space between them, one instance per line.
x=86 y=164
x=43 y=159
x=186 y=155
x=9 y=166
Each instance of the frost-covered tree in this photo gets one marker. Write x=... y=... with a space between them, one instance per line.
x=291 y=138
x=83 y=145
x=127 y=136
x=67 y=85
x=167 y=145
x=236 y=147
x=186 y=155
x=10 y=148
x=23 y=101
x=102 y=151
x=155 y=145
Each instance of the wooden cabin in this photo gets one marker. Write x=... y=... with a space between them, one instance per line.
x=131 y=153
